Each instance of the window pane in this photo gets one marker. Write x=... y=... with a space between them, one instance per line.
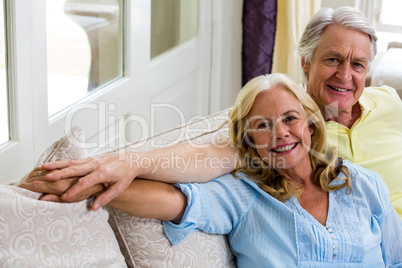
x=384 y=38
x=172 y=23
x=390 y=12
x=4 y=130
x=84 y=48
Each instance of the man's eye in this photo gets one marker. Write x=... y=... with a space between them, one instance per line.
x=332 y=62
x=358 y=65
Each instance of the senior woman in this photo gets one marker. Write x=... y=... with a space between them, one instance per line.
x=291 y=202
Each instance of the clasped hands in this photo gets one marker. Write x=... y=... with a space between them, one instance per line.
x=74 y=180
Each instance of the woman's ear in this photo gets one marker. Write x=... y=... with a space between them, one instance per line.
x=310 y=124
x=311 y=129
x=250 y=140
x=305 y=65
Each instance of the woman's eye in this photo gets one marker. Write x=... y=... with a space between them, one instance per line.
x=263 y=126
x=290 y=118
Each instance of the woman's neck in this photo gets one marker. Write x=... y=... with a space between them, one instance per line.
x=300 y=175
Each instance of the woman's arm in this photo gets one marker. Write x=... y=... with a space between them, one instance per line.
x=144 y=198
x=151 y=199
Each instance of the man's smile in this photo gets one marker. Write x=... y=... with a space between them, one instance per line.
x=339 y=89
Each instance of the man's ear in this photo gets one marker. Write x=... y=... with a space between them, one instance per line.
x=305 y=65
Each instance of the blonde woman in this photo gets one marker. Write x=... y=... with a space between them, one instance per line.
x=291 y=202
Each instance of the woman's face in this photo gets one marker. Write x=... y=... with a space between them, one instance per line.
x=279 y=130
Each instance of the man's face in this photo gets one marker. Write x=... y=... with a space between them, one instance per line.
x=338 y=70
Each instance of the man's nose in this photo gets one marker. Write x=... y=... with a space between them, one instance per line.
x=344 y=71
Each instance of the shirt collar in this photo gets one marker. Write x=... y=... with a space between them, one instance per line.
x=367 y=103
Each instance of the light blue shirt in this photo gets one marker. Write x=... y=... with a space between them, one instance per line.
x=362 y=230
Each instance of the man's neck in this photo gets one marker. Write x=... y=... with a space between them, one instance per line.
x=345 y=118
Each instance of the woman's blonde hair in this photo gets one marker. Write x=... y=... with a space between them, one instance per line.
x=324 y=161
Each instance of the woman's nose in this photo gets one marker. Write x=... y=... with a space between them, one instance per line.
x=280 y=130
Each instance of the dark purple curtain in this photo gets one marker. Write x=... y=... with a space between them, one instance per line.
x=259 y=26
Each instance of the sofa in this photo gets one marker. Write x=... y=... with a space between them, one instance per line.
x=34 y=233
x=388 y=68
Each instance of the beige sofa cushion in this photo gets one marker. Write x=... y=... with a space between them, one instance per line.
x=144 y=244
x=35 y=233
x=142 y=241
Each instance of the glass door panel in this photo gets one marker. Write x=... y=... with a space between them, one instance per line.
x=172 y=23
x=84 y=48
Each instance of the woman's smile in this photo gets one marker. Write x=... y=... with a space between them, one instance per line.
x=284 y=148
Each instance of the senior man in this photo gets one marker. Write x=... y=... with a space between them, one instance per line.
x=365 y=124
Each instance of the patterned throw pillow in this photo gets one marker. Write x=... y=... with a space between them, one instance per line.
x=36 y=233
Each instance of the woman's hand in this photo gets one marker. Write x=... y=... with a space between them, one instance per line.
x=53 y=190
x=75 y=180
x=37 y=182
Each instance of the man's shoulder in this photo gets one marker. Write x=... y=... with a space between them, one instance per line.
x=384 y=98
x=381 y=92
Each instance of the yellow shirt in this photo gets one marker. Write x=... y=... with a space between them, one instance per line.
x=375 y=140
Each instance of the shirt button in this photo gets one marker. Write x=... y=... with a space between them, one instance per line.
x=330 y=231
x=328 y=226
x=335 y=247
x=334 y=256
x=333 y=236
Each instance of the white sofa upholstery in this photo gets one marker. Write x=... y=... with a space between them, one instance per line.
x=387 y=68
